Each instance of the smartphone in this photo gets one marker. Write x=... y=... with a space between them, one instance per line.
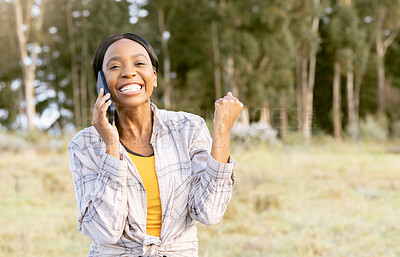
x=101 y=83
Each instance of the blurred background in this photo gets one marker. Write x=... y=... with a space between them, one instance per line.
x=317 y=143
x=311 y=67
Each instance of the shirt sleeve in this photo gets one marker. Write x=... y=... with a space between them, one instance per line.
x=100 y=188
x=213 y=182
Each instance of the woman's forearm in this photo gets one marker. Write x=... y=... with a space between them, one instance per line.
x=220 y=149
x=227 y=109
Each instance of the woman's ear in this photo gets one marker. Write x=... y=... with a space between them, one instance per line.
x=155 y=79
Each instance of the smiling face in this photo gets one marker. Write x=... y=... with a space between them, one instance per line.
x=129 y=73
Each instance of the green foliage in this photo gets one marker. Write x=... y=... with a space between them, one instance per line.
x=8 y=103
x=262 y=38
x=347 y=37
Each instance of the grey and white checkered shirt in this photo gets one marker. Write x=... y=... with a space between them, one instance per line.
x=111 y=198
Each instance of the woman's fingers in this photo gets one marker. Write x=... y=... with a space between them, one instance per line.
x=102 y=100
x=105 y=106
x=100 y=108
x=228 y=98
x=99 y=96
x=107 y=131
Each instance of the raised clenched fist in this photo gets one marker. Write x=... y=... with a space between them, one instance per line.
x=227 y=109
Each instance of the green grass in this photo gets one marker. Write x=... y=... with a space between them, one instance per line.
x=324 y=200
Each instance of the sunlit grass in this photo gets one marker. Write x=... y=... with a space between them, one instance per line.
x=327 y=200
x=324 y=200
x=38 y=214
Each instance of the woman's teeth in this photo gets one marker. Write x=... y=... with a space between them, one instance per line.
x=131 y=88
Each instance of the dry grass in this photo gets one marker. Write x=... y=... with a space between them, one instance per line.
x=328 y=200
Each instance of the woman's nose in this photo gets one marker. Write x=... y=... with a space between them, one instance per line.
x=128 y=72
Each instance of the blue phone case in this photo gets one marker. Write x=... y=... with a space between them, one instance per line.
x=101 y=83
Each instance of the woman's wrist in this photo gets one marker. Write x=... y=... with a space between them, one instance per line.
x=113 y=150
x=221 y=129
x=220 y=149
x=114 y=153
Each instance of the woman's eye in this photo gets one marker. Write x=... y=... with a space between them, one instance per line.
x=113 y=67
x=140 y=63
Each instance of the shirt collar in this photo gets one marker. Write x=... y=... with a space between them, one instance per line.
x=159 y=118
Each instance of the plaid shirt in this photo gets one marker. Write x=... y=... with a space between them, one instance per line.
x=111 y=198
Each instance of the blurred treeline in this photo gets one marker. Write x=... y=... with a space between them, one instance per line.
x=307 y=66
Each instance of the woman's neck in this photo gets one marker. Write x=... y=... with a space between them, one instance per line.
x=135 y=122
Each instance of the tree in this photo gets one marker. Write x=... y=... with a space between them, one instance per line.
x=74 y=65
x=353 y=45
x=387 y=28
x=305 y=26
x=271 y=80
x=257 y=52
x=29 y=58
x=10 y=69
x=84 y=20
x=163 y=14
x=308 y=117
x=384 y=26
x=343 y=22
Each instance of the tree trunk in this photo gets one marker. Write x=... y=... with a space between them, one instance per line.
x=308 y=118
x=299 y=91
x=309 y=115
x=307 y=130
x=231 y=85
x=30 y=98
x=284 y=123
x=217 y=60
x=304 y=80
x=337 y=120
x=381 y=82
x=167 y=60
x=382 y=45
x=358 y=82
x=84 y=80
x=74 y=66
x=20 y=105
x=380 y=52
x=22 y=42
x=28 y=62
x=230 y=76
x=265 y=114
x=244 y=118
x=350 y=98
x=357 y=90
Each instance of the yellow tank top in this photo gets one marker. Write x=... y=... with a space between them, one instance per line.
x=147 y=171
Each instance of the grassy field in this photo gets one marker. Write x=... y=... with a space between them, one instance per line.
x=326 y=200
